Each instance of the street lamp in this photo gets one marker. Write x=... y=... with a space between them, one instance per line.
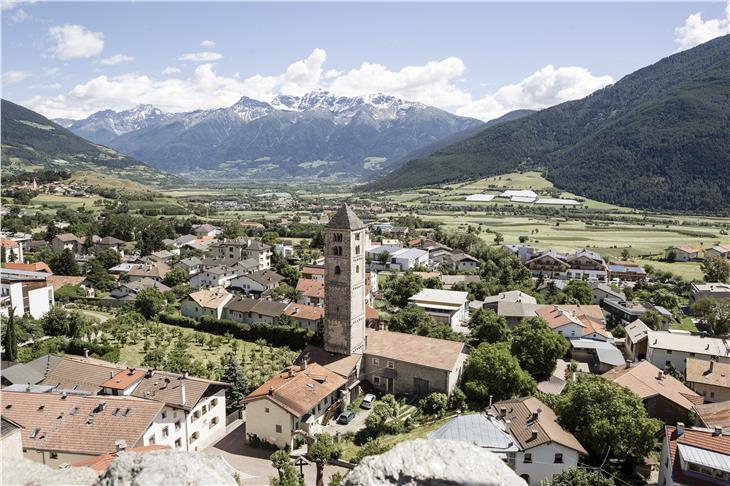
x=301 y=462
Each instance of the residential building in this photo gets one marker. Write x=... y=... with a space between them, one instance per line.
x=250 y=311
x=460 y=262
x=31 y=267
x=312 y=272
x=449 y=281
x=305 y=316
x=630 y=310
x=664 y=397
x=109 y=242
x=713 y=415
x=163 y=255
x=310 y=292
x=448 y=306
x=515 y=296
x=693 y=455
x=129 y=290
x=154 y=270
x=545 y=448
x=581 y=265
x=243 y=248
x=218 y=276
x=301 y=398
x=600 y=356
x=26 y=292
x=711 y=379
x=523 y=252
x=206 y=302
x=12 y=251
x=719 y=251
x=602 y=291
x=575 y=321
x=284 y=250
x=206 y=230
x=483 y=430
x=626 y=272
x=11 y=442
x=256 y=283
x=398 y=259
x=636 y=340
x=716 y=290
x=682 y=253
x=675 y=347
x=514 y=312
x=67 y=241
x=192 y=265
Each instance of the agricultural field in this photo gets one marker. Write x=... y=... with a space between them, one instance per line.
x=55 y=201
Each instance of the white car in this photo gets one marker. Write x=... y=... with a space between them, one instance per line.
x=368 y=401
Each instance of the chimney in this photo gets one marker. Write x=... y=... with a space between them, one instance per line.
x=490 y=401
x=660 y=375
x=120 y=444
x=536 y=415
x=304 y=363
x=503 y=412
x=182 y=393
x=111 y=374
x=184 y=373
x=718 y=431
x=86 y=352
x=291 y=372
x=271 y=390
x=680 y=428
x=533 y=434
x=508 y=426
x=628 y=363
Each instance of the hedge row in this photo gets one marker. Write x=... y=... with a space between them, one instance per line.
x=275 y=335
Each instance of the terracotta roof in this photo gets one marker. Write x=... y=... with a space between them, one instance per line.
x=708 y=372
x=265 y=277
x=58 y=281
x=80 y=374
x=298 y=390
x=211 y=298
x=341 y=364
x=312 y=270
x=153 y=269
x=520 y=412
x=345 y=218
x=67 y=237
x=260 y=306
x=646 y=380
x=124 y=379
x=31 y=267
x=410 y=348
x=589 y=317
x=714 y=414
x=694 y=437
x=311 y=288
x=77 y=423
x=110 y=240
x=7 y=243
x=688 y=249
x=101 y=463
x=371 y=313
x=302 y=311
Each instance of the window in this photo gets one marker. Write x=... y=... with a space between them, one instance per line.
x=278 y=429
x=177 y=425
x=357 y=236
x=691 y=355
x=669 y=351
x=193 y=437
x=205 y=409
x=390 y=365
x=54 y=455
x=357 y=250
x=376 y=380
x=357 y=268
x=266 y=410
x=214 y=403
x=151 y=439
x=337 y=270
x=558 y=459
x=527 y=459
x=165 y=432
x=213 y=422
x=376 y=361
x=196 y=416
x=164 y=414
x=667 y=363
x=178 y=443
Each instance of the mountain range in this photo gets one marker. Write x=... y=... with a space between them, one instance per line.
x=315 y=135
x=32 y=142
x=658 y=138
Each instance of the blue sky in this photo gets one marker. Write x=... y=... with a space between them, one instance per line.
x=476 y=59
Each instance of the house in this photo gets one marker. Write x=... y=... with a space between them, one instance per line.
x=30 y=267
x=162 y=256
x=600 y=356
x=251 y=311
x=523 y=252
x=682 y=253
x=664 y=397
x=626 y=272
x=674 y=347
x=19 y=373
x=448 y=306
x=548 y=264
x=636 y=340
x=206 y=230
x=514 y=312
x=284 y=250
x=693 y=455
x=101 y=463
x=124 y=267
x=256 y=283
x=67 y=241
x=716 y=290
x=483 y=430
x=575 y=321
x=305 y=316
x=312 y=272
x=602 y=291
x=206 y=302
x=243 y=248
x=26 y=292
x=109 y=242
x=299 y=398
x=719 y=251
x=61 y=428
x=580 y=265
x=192 y=265
x=460 y=262
x=11 y=442
x=12 y=251
x=310 y=292
x=450 y=280
x=710 y=379
x=545 y=448
x=713 y=415
x=154 y=270
x=515 y=296
x=398 y=259
x=129 y=290
x=626 y=310
x=218 y=276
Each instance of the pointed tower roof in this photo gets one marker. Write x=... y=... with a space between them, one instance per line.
x=345 y=218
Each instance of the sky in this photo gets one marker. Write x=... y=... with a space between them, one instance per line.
x=478 y=59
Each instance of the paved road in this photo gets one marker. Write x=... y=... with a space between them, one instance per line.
x=101 y=316
x=254 y=464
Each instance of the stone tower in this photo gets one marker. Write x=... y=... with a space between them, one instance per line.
x=344 y=283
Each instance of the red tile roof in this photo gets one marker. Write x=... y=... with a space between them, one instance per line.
x=124 y=379
x=31 y=267
x=694 y=437
x=302 y=311
x=101 y=463
x=311 y=288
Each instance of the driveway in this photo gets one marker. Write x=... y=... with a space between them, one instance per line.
x=101 y=316
x=254 y=464
x=333 y=428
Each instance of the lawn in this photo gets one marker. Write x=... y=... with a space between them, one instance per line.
x=687 y=270
x=685 y=324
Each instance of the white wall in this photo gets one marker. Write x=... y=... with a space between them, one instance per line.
x=263 y=424
x=543 y=462
x=40 y=301
x=658 y=357
x=11 y=446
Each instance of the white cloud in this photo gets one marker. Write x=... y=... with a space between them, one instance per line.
x=52 y=71
x=201 y=56
x=46 y=86
x=75 y=41
x=116 y=59
x=546 y=87
x=207 y=44
x=171 y=70
x=20 y=15
x=12 y=77
x=11 y=4
x=695 y=30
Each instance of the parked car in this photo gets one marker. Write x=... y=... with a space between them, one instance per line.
x=368 y=401
x=346 y=417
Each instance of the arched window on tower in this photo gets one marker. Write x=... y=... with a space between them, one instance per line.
x=338 y=237
x=337 y=250
x=337 y=270
x=357 y=268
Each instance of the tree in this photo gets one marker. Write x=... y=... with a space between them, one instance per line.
x=284 y=292
x=108 y=258
x=536 y=346
x=232 y=230
x=498 y=238
x=288 y=474
x=716 y=269
x=64 y=263
x=55 y=322
x=409 y=319
x=323 y=449
x=714 y=315
x=176 y=276
x=10 y=342
x=579 y=477
x=98 y=274
x=653 y=320
x=435 y=404
x=486 y=326
x=492 y=370
x=578 y=292
x=608 y=419
x=149 y=302
x=399 y=289
x=233 y=375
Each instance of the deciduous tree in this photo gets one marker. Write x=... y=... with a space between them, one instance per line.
x=536 y=346
x=492 y=370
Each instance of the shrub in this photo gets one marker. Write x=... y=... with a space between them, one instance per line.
x=434 y=404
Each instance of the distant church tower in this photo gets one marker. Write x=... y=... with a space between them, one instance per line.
x=344 y=283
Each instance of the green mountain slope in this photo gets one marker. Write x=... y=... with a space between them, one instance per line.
x=659 y=138
x=31 y=142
